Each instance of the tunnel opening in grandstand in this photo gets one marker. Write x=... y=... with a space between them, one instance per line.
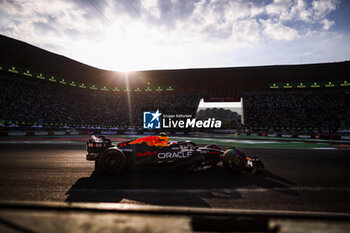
x=228 y=109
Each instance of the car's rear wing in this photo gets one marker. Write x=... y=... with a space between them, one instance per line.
x=97 y=144
x=95 y=139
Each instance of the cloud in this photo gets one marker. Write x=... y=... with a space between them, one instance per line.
x=218 y=31
x=327 y=24
x=132 y=8
x=129 y=31
x=278 y=31
x=279 y=7
x=89 y=9
x=45 y=28
x=323 y=7
x=172 y=11
x=220 y=19
x=248 y=31
x=301 y=10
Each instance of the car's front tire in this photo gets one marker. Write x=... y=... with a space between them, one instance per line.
x=111 y=161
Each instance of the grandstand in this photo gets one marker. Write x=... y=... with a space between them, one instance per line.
x=322 y=110
x=46 y=90
x=26 y=103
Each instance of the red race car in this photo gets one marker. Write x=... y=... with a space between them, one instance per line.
x=157 y=153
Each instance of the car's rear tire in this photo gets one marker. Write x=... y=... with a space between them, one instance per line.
x=234 y=160
x=111 y=161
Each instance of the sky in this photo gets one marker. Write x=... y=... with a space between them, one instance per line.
x=126 y=35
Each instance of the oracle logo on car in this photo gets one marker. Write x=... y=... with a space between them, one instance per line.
x=171 y=155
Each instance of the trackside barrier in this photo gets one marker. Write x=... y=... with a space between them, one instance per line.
x=179 y=133
x=327 y=136
x=59 y=132
x=30 y=133
x=41 y=133
x=130 y=132
x=17 y=133
x=148 y=133
x=225 y=131
x=304 y=136
x=141 y=132
x=109 y=132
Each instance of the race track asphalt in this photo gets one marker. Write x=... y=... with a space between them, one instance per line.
x=295 y=179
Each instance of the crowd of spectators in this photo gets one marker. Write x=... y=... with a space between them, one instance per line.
x=327 y=110
x=30 y=102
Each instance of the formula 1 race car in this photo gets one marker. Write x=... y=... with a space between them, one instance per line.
x=156 y=153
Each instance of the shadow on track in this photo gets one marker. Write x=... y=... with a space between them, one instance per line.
x=174 y=188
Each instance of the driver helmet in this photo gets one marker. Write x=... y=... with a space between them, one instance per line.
x=163 y=138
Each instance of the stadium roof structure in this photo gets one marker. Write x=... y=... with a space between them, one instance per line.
x=207 y=81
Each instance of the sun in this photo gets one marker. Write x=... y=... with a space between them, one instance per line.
x=123 y=52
